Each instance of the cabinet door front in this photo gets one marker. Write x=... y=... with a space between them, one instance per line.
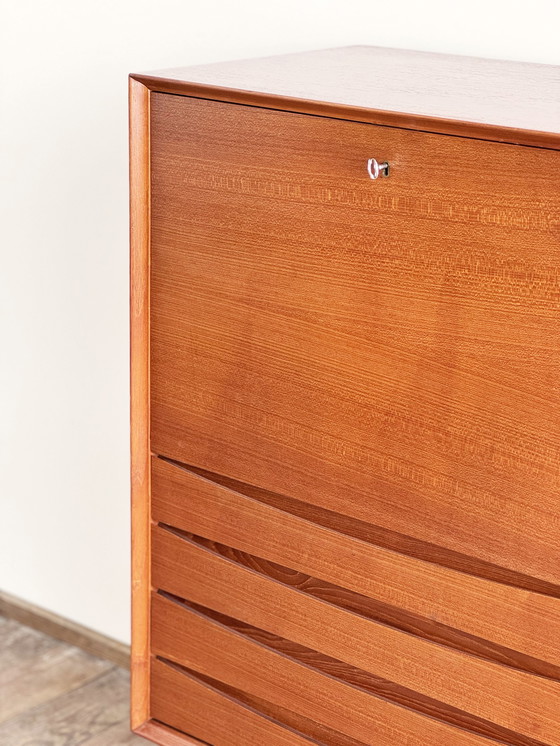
x=385 y=349
x=357 y=381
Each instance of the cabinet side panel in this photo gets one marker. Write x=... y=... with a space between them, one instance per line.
x=139 y=401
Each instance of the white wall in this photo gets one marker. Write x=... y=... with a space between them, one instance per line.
x=63 y=278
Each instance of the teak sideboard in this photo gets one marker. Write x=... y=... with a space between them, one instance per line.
x=345 y=282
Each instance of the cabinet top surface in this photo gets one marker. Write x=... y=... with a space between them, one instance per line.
x=492 y=99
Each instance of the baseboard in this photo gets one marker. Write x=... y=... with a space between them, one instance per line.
x=63 y=629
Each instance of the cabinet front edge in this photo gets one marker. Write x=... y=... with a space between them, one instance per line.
x=139 y=109
x=402 y=120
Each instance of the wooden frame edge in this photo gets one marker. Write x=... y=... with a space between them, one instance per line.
x=139 y=133
x=65 y=630
x=385 y=118
x=161 y=734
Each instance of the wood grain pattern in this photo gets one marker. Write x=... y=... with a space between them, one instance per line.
x=351 y=390
x=212 y=716
x=139 y=396
x=375 y=610
x=381 y=349
x=486 y=690
x=361 y=679
x=517 y=619
x=509 y=101
x=382 y=537
x=200 y=643
x=299 y=723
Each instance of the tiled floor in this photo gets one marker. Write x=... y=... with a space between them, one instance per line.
x=52 y=694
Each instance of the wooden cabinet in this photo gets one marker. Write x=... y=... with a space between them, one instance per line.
x=345 y=401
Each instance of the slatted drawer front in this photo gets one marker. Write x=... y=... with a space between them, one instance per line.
x=318 y=629
x=354 y=422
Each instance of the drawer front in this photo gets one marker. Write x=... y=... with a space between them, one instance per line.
x=488 y=618
x=354 y=411
x=336 y=637
x=386 y=350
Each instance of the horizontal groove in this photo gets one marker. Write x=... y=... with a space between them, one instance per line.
x=377 y=535
x=378 y=611
x=301 y=725
x=359 y=679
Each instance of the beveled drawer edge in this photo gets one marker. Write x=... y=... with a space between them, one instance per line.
x=163 y=735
